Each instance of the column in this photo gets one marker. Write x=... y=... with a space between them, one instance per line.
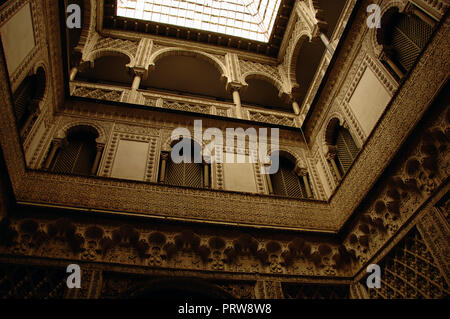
x=269 y=183
x=393 y=66
x=138 y=75
x=97 y=159
x=136 y=82
x=73 y=73
x=206 y=175
x=237 y=101
x=327 y=44
x=335 y=168
x=296 y=107
x=56 y=144
x=307 y=186
x=162 y=169
x=303 y=172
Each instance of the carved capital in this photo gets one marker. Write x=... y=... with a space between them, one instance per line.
x=329 y=151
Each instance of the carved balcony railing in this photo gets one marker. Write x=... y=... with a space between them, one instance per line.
x=181 y=103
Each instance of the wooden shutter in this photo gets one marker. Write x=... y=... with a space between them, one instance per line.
x=85 y=159
x=286 y=182
x=22 y=100
x=77 y=157
x=409 y=37
x=66 y=157
x=346 y=149
x=184 y=174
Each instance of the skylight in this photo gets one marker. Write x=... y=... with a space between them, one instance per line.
x=251 y=19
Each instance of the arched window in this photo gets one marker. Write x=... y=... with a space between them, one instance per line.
x=287 y=182
x=26 y=100
x=77 y=154
x=346 y=149
x=403 y=37
x=187 y=173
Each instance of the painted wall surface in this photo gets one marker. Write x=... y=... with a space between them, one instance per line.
x=130 y=160
x=17 y=38
x=239 y=177
x=369 y=101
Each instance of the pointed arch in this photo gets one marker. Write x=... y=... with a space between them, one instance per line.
x=265 y=77
x=221 y=68
x=293 y=56
x=96 y=54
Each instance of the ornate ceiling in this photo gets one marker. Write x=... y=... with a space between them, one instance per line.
x=255 y=26
x=252 y=20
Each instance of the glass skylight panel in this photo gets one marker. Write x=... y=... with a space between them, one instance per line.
x=252 y=19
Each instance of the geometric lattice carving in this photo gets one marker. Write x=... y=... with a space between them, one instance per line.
x=300 y=291
x=271 y=118
x=25 y=282
x=408 y=38
x=409 y=271
x=190 y=107
x=118 y=44
x=96 y=93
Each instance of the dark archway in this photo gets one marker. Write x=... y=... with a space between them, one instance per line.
x=102 y=72
x=173 y=289
x=264 y=94
x=186 y=74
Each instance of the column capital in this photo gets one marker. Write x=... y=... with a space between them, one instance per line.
x=141 y=72
x=164 y=155
x=329 y=151
x=301 y=171
x=235 y=86
x=100 y=147
x=58 y=141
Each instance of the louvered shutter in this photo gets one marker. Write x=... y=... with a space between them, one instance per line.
x=175 y=173
x=193 y=175
x=22 y=100
x=85 y=159
x=184 y=174
x=292 y=184
x=286 y=182
x=346 y=149
x=409 y=37
x=75 y=157
x=66 y=157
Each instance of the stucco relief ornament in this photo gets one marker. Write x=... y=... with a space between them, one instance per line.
x=217 y=261
x=155 y=258
x=91 y=251
x=275 y=266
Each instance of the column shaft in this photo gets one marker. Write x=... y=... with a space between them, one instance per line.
x=205 y=175
x=136 y=83
x=237 y=102
x=326 y=42
x=97 y=160
x=333 y=163
x=73 y=73
x=162 y=170
x=296 y=108
x=394 y=66
x=51 y=155
x=307 y=186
